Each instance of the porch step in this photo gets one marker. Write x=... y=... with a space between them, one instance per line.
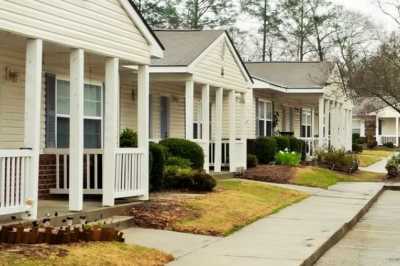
x=117 y=222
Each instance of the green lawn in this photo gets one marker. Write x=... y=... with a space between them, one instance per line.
x=235 y=204
x=110 y=254
x=323 y=178
x=369 y=157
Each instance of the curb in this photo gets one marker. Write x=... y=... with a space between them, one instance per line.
x=341 y=232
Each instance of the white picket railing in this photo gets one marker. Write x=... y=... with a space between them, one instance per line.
x=224 y=153
x=92 y=173
x=384 y=139
x=129 y=175
x=238 y=156
x=14 y=172
x=311 y=145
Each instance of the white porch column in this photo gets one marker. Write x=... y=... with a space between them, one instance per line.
x=377 y=137
x=350 y=130
x=111 y=128
x=189 y=95
x=321 y=121
x=33 y=96
x=77 y=66
x=143 y=125
x=397 y=132
x=219 y=98
x=205 y=101
x=232 y=130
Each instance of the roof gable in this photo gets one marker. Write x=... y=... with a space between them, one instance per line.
x=182 y=47
x=293 y=75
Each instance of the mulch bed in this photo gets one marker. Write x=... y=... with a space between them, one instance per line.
x=40 y=251
x=271 y=173
x=160 y=214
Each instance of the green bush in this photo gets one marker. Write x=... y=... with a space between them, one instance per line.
x=158 y=155
x=362 y=140
x=178 y=161
x=356 y=138
x=282 y=143
x=288 y=158
x=188 y=179
x=185 y=149
x=338 y=160
x=389 y=145
x=357 y=148
x=128 y=138
x=251 y=161
x=266 y=149
x=298 y=145
x=393 y=166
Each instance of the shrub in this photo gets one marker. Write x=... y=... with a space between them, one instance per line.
x=356 y=138
x=372 y=144
x=389 y=145
x=357 y=148
x=128 y=138
x=265 y=150
x=282 y=143
x=288 y=158
x=299 y=146
x=251 y=146
x=362 y=140
x=392 y=168
x=338 y=160
x=188 y=179
x=158 y=154
x=185 y=149
x=178 y=161
x=251 y=161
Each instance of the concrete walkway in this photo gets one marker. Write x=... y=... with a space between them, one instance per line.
x=289 y=237
x=373 y=241
x=379 y=167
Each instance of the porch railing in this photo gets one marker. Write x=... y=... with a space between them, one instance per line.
x=311 y=145
x=129 y=175
x=92 y=171
x=225 y=160
x=14 y=172
x=232 y=153
x=384 y=139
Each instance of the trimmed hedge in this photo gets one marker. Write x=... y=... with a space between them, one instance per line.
x=266 y=149
x=185 y=149
x=251 y=161
x=299 y=146
x=389 y=145
x=178 y=161
x=128 y=138
x=357 y=148
x=187 y=179
x=282 y=143
x=158 y=156
x=338 y=160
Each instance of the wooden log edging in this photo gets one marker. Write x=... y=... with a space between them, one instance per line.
x=35 y=234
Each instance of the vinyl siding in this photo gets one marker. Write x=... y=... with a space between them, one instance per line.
x=99 y=26
x=208 y=68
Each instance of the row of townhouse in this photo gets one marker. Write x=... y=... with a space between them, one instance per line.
x=73 y=74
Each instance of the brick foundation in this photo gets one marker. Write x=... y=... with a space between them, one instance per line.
x=47 y=175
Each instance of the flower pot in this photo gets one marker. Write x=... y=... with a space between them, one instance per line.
x=108 y=234
x=95 y=234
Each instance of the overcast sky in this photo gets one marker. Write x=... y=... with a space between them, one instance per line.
x=369 y=8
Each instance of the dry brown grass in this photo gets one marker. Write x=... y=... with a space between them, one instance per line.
x=92 y=254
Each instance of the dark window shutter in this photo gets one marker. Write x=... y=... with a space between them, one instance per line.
x=257 y=125
x=50 y=110
x=150 y=116
x=273 y=120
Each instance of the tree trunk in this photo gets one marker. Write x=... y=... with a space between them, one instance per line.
x=264 y=57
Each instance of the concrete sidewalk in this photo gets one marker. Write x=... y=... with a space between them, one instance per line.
x=379 y=167
x=291 y=236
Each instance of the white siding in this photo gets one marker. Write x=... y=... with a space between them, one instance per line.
x=388 y=126
x=99 y=26
x=209 y=68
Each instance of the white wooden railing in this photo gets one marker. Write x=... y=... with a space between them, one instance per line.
x=92 y=173
x=129 y=174
x=224 y=153
x=14 y=172
x=311 y=145
x=383 y=139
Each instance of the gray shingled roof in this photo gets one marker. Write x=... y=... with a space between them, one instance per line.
x=292 y=75
x=182 y=47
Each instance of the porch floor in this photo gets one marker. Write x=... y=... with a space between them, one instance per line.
x=61 y=207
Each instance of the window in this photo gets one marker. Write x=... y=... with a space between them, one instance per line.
x=306 y=124
x=93 y=115
x=197 y=121
x=264 y=119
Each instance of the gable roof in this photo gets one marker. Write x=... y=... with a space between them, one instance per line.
x=182 y=47
x=292 y=75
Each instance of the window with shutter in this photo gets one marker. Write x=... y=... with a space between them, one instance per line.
x=50 y=91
